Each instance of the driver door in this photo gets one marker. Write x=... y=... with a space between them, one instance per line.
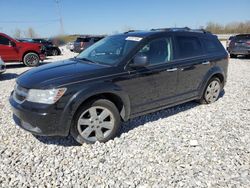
x=152 y=87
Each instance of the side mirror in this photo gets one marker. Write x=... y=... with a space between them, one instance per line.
x=13 y=44
x=140 y=61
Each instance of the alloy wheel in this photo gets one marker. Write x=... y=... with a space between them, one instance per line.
x=32 y=59
x=212 y=91
x=96 y=123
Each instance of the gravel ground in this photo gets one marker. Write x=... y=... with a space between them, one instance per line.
x=189 y=145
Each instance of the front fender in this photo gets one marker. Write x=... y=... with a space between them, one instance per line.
x=89 y=91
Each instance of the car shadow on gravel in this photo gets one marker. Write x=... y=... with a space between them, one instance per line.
x=57 y=140
x=162 y=114
x=127 y=126
x=8 y=76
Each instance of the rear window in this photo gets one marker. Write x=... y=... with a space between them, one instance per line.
x=189 y=46
x=211 y=45
x=240 y=37
x=83 y=39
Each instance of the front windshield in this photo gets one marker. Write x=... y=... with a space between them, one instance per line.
x=109 y=50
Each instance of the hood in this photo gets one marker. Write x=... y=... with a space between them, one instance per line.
x=59 y=73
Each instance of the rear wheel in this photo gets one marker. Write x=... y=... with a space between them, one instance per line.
x=233 y=56
x=212 y=91
x=31 y=59
x=55 y=52
x=96 y=121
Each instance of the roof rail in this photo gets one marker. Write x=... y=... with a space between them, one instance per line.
x=130 y=31
x=181 y=29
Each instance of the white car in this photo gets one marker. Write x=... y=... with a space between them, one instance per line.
x=70 y=46
x=2 y=66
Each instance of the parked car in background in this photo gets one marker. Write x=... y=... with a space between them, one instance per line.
x=239 y=45
x=84 y=42
x=49 y=48
x=12 y=50
x=119 y=78
x=56 y=41
x=2 y=66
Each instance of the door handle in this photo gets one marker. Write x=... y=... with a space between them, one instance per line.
x=172 y=70
x=206 y=63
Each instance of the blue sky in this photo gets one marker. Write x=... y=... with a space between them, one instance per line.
x=109 y=16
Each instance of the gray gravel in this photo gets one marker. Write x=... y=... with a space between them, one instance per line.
x=189 y=145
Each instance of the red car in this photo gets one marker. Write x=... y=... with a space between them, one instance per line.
x=12 y=50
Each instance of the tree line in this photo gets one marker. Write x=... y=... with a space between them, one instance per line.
x=216 y=28
x=29 y=33
x=230 y=28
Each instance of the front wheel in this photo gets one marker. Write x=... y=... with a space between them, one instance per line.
x=31 y=60
x=212 y=91
x=96 y=121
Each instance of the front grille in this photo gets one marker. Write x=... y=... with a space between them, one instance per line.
x=20 y=93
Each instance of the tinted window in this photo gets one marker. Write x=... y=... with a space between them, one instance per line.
x=158 y=51
x=4 y=40
x=211 y=45
x=83 y=39
x=189 y=46
x=241 y=37
x=97 y=39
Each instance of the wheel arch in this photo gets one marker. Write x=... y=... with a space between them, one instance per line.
x=102 y=91
x=214 y=72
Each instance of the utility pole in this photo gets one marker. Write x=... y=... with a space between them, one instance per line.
x=60 y=16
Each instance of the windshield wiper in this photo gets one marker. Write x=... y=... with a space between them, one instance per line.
x=88 y=60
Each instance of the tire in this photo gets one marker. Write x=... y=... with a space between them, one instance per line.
x=211 y=92
x=233 y=56
x=55 y=52
x=31 y=59
x=96 y=121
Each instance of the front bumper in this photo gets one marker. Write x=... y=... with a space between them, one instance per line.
x=42 y=56
x=40 y=120
x=2 y=68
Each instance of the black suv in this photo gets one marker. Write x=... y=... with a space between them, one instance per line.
x=239 y=45
x=118 y=78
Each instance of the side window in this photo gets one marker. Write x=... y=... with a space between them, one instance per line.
x=158 y=51
x=210 y=45
x=189 y=46
x=4 y=40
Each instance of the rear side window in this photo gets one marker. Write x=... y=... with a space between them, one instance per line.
x=4 y=40
x=211 y=45
x=189 y=46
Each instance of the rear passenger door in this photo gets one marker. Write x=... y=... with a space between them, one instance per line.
x=192 y=65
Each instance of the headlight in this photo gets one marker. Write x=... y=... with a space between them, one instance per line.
x=48 y=96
